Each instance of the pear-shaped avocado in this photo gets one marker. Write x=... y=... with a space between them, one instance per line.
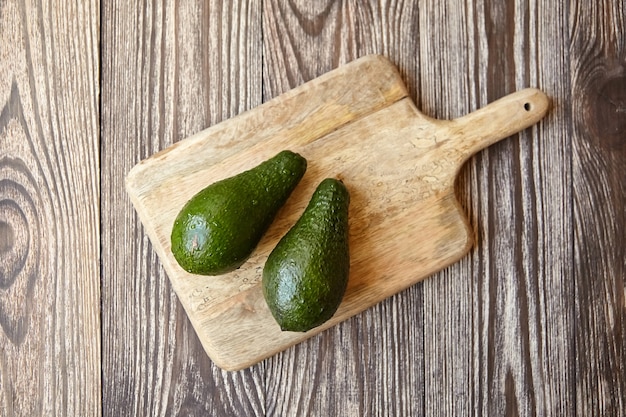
x=217 y=230
x=305 y=276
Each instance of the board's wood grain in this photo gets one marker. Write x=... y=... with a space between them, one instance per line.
x=170 y=69
x=598 y=91
x=501 y=319
x=49 y=225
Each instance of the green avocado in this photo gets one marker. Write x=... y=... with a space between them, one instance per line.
x=217 y=230
x=305 y=276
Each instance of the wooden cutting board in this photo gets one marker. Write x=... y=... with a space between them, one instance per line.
x=356 y=123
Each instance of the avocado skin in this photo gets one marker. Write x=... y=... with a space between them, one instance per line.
x=218 y=228
x=306 y=275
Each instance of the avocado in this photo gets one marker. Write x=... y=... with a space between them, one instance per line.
x=305 y=276
x=219 y=227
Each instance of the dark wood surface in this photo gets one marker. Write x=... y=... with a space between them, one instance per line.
x=532 y=322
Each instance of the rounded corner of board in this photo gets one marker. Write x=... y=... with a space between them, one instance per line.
x=136 y=171
x=377 y=58
x=228 y=365
x=129 y=179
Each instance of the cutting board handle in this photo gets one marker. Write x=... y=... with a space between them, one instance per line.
x=498 y=120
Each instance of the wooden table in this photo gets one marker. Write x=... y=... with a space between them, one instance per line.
x=532 y=322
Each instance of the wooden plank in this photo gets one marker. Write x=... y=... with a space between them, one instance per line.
x=170 y=69
x=371 y=364
x=500 y=321
x=49 y=222
x=450 y=70
x=598 y=90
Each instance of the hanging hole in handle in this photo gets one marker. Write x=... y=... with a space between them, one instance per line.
x=527 y=106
